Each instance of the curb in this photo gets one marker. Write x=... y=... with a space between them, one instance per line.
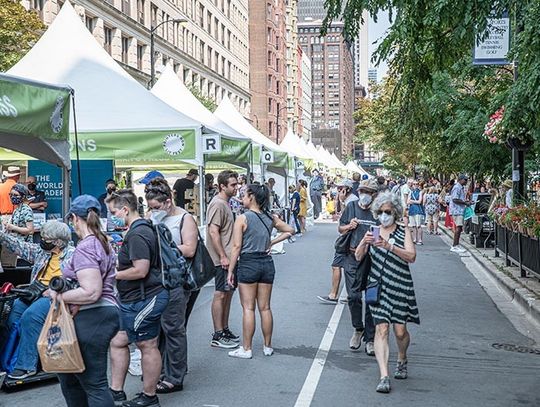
x=527 y=300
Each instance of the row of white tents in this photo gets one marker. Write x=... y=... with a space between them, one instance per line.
x=119 y=119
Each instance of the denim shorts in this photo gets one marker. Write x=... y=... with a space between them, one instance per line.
x=255 y=268
x=142 y=319
x=339 y=258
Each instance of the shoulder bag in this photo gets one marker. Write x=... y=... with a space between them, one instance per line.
x=200 y=268
x=372 y=295
x=343 y=242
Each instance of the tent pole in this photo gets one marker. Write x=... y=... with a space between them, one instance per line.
x=79 y=182
x=202 y=195
x=66 y=190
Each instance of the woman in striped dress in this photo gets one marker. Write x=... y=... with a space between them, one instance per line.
x=390 y=256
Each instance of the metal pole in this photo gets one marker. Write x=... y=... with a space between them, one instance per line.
x=152 y=58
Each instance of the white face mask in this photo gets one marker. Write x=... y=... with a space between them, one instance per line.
x=364 y=199
x=386 y=220
x=158 y=215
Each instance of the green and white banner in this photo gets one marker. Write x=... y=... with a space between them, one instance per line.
x=232 y=151
x=36 y=110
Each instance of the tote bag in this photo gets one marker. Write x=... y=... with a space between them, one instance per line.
x=57 y=344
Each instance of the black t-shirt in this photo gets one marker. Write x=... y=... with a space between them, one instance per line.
x=353 y=210
x=180 y=187
x=38 y=196
x=140 y=243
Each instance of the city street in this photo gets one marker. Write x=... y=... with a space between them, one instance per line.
x=451 y=363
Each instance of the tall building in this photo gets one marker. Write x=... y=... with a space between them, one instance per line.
x=293 y=61
x=209 y=52
x=332 y=85
x=305 y=87
x=372 y=75
x=311 y=10
x=267 y=56
x=361 y=54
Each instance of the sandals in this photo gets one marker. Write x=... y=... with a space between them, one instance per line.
x=163 y=388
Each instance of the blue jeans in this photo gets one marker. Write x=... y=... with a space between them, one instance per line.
x=32 y=319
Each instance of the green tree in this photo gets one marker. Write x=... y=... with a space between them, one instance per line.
x=206 y=101
x=19 y=31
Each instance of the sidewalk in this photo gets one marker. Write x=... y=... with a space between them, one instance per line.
x=525 y=291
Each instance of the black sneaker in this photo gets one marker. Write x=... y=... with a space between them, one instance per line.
x=118 y=396
x=219 y=340
x=142 y=400
x=20 y=374
x=327 y=300
x=228 y=334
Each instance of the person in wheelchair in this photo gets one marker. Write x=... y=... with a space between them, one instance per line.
x=28 y=313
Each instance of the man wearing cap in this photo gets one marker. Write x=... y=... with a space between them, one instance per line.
x=316 y=187
x=12 y=177
x=458 y=203
x=357 y=219
x=182 y=185
x=345 y=196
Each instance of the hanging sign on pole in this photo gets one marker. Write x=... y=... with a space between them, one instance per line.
x=267 y=157
x=493 y=49
x=211 y=143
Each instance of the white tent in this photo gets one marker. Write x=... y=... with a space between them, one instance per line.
x=294 y=145
x=123 y=119
x=352 y=167
x=170 y=89
x=337 y=161
x=326 y=158
x=314 y=152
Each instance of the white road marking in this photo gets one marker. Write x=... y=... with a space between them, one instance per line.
x=314 y=375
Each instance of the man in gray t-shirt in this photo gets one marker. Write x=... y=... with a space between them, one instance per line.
x=458 y=203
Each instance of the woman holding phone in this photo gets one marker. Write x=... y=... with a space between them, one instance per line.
x=391 y=255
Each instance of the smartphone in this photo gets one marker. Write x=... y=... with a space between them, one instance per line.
x=375 y=231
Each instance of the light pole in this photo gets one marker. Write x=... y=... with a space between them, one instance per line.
x=277 y=122
x=152 y=53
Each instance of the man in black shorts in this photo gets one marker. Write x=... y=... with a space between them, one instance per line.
x=220 y=223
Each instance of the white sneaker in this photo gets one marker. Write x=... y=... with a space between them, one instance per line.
x=268 y=351
x=241 y=353
x=457 y=249
x=135 y=367
x=356 y=340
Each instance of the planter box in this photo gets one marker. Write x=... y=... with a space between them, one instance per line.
x=519 y=249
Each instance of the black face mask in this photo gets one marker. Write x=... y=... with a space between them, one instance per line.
x=111 y=190
x=47 y=246
x=32 y=187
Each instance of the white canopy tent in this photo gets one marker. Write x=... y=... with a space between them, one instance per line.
x=352 y=167
x=293 y=145
x=337 y=161
x=124 y=120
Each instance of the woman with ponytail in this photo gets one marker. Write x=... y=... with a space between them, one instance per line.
x=252 y=241
x=92 y=268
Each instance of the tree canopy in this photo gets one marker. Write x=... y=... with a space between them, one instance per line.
x=19 y=31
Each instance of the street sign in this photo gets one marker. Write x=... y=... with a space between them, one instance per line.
x=300 y=165
x=267 y=157
x=493 y=49
x=211 y=143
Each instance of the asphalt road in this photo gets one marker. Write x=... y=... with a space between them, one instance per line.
x=451 y=362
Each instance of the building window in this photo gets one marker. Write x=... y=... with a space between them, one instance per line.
x=209 y=57
x=216 y=29
x=223 y=34
x=125 y=49
x=153 y=14
x=216 y=61
x=209 y=22
x=140 y=11
x=140 y=55
x=126 y=7
x=201 y=51
x=90 y=23
x=201 y=15
x=107 y=41
x=38 y=6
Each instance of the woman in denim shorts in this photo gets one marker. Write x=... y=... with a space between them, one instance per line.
x=252 y=240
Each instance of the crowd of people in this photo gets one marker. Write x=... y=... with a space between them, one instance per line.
x=120 y=304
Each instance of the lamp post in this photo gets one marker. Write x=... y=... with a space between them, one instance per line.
x=277 y=122
x=152 y=53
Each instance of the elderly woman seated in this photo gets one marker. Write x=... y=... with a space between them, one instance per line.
x=28 y=314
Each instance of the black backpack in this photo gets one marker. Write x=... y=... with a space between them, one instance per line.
x=171 y=264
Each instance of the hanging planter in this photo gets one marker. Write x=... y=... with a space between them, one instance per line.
x=519 y=144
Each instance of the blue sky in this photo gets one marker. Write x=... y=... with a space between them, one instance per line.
x=376 y=32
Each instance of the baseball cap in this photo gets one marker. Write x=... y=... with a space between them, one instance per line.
x=370 y=185
x=81 y=205
x=462 y=176
x=346 y=183
x=150 y=176
x=193 y=171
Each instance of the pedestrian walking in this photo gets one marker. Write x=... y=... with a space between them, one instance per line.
x=390 y=255
x=295 y=208
x=143 y=299
x=345 y=196
x=21 y=223
x=220 y=224
x=302 y=214
x=432 y=207
x=173 y=340
x=357 y=219
x=316 y=188
x=416 y=212
x=184 y=184
x=458 y=203
x=252 y=241
x=97 y=320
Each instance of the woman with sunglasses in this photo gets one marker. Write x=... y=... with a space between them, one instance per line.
x=390 y=255
x=173 y=341
x=252 y=241
x=22 y=219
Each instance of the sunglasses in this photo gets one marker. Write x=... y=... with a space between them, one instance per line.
x=388 y=212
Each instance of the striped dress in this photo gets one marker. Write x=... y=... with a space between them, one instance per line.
x=397 y=303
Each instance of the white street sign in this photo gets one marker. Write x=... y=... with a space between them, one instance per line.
x=267 y=157
x=493 y=50
x=211 y=143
